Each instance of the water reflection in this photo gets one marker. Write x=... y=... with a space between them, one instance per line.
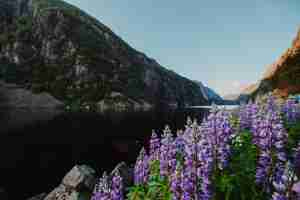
x=43 y=151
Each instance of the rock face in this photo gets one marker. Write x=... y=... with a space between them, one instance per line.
x=51 y=46
x=76 y=185
x=282 y=77
x=212 y=97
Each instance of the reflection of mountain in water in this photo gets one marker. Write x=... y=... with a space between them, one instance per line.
x=43 y=152
x=19 y=106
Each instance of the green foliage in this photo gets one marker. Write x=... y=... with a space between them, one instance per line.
x=293 y=136
x=157 y=188
x=24 y=25
x=238 y=180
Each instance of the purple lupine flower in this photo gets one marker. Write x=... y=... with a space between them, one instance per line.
x=245 y=116
x=205 y=169
x=176 y=183
x=102 y=189
x=141 y=169
x=163 y=161
x=270 y=104
x=172 y=157
x=296 y=159
x=289 y=110
x=277 y=196
x=271 y=139
x=296 y=189
x=213 y=149
x=264 y=142
x=154 y=146
x=279 y=142
x=285 y=185
x=167 y=159
x=179 y=142
x=263 y=167
x=189 y=177
x=117 y=187
x=217 y=130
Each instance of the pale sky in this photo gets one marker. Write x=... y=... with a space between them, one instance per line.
x=224 y=44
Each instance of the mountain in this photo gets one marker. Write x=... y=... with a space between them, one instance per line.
x=50 y=46
x=231 y=97
x=282 y=78
x=212 y=97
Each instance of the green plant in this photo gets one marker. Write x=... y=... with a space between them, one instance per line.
x=156 y=188
x=238 y=180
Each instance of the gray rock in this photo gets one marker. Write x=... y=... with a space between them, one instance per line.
x=80 y=175
x=76 y=185
x=63 y=193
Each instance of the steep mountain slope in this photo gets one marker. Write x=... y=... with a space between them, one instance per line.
x=212 y=97
x=283 y=77
x=51 y=46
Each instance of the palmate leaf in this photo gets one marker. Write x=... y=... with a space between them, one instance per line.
x=136 y=193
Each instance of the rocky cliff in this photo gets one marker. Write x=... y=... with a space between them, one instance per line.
x=209 y=94
x=282 y=77
x=51 y=46
x=213 y=97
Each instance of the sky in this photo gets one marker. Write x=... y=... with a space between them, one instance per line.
x=225 y=44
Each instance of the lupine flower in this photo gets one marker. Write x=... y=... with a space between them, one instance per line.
x=117 y=187
x=217 y=131
x=289 y=110
x=102 y=189
x=270 y=104
x=271 y=138
x=154 y=146
x=213 y=149
x=296 y=159
x=179 y=142
x=167 y=158
x=189 y=178
x=141 y=169
x=205 y=169
x=176 y=183
x=245 y=116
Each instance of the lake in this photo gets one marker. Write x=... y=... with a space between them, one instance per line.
x=34 y=158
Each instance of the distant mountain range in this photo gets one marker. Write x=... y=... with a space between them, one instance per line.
x=213 y=97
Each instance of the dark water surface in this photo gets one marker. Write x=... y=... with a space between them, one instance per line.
x=35 y=158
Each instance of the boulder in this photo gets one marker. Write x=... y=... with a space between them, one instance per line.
x=79 y=176
x=76 y=185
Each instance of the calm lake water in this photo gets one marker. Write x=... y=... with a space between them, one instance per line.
x=35 y=157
